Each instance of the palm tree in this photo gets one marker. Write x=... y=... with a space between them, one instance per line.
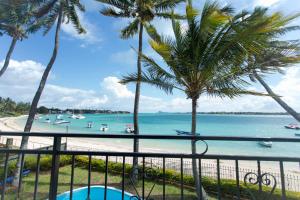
x=55 y=11
x=279 y=55
x=142 y=12
x=207 y=57
x=16 y=21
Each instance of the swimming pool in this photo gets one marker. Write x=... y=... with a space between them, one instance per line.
x=97 y=193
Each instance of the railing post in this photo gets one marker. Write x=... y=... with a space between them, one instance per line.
x=55 y=168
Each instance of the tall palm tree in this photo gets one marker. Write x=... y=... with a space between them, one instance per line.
x=279 y=55
x=16 y=21
x=142 y=12
x=54 y=11
x=206 y=57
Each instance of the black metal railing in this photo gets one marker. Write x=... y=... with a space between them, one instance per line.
x=153 y=168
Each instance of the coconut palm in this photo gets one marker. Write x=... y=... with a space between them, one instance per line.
x=280 y=55
x=16 y=21
x=206 y=57
x=51 y=12
x=142 y=12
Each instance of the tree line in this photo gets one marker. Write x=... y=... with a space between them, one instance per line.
x=216 y=50
x=8 y=107
x=45 y=110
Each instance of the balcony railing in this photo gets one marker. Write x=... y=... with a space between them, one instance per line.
x=162 y=170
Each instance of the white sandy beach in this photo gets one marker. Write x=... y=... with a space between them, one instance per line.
x=9 y=124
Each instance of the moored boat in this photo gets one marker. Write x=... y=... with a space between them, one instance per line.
x=129 y=128
x=80 y=116
x=266 y=144
x=61 y=121
x=179 y=132
x=104 y=127
x=292 y=126
x=47 y=120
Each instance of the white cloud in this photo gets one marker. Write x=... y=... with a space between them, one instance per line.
x=289 y=87
x=266 y=3
x=91 y=36
x=111 y=84
x=65 y=97
x=22 y=78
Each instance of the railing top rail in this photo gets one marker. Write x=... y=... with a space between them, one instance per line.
x=158 y=155
x=163 y=137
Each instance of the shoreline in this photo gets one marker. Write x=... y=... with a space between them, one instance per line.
x=10 y=124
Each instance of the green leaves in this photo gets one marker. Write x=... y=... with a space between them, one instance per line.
x=130 y=30
x=48 y=11
x=140 y=12
x=208 y=55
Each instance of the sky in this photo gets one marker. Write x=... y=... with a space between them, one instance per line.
x=88 y=67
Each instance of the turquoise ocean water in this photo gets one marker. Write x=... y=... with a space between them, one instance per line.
x=208 y=125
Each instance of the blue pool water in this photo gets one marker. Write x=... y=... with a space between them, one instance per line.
x=97 y=193
x=207 y=124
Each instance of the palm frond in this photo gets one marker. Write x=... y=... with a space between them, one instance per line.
x=131 y=29
x=120 y=4
x=112 y=12
x=157 y=81
x=72 y=15
x=163 y=5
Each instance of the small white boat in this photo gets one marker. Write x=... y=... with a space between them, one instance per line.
x=129 y=129
x=80 y=117
x=59 y=116
x=104 y=127
x=61 y=121
x=265 y=144
x=292 y=126
x=73 y=116
x=77 y=116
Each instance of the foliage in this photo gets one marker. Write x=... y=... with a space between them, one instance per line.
x=139 y=11
x=206 y=56
x=17 y=19
x=228 y=187
x=10 y=107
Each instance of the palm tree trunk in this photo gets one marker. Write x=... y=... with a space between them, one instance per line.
x=286 y=107
x=37 y=97
x=200 y=194
x=8 y=55
x=136 y=104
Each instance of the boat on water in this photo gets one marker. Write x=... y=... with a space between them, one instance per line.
x=80 y=116
x=297 y=134
x=73 y=116
x=47 y=120
x=129 y=128
x=180 y=132
x=59 y=116
x=292 y=126
x=89 y=125
x=61 y=121
x=104 y=127
x=265 y=144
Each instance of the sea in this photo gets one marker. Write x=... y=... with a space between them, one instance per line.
x=207 y=125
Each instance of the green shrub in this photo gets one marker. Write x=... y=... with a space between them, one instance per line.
x=228 y=187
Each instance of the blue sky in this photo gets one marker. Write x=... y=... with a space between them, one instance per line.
x=88 y=67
